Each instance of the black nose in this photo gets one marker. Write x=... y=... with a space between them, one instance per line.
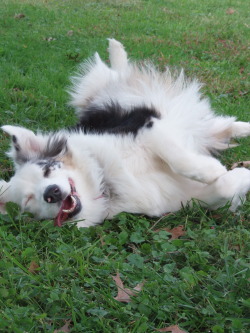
x=52 y=194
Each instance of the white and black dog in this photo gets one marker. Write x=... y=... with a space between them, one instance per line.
x=144 y=143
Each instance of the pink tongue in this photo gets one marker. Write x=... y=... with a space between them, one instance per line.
x=62 y=216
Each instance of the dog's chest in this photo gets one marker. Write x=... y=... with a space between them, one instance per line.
x=138 y=183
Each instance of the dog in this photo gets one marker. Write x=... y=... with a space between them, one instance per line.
x=145 y=143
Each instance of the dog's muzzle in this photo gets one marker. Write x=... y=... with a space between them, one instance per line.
x=70 y=205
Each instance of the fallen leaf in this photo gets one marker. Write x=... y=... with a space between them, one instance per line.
x=242 y=164
x=64 y=328
x=243 y=93
x=173 y=329
x=70 y=33
x=49 y=39
x=102 y=241
x=236 y=247
x=19 y=16
x=175 y=232
x=33 y=268
x=230 y=11
x=124 y=294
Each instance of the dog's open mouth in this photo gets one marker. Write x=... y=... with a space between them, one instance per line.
x=71 y=206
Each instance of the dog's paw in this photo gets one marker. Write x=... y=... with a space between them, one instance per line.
x=117 y=55
x=207 y=170
x=113 y=43
x=240 y=129
x=233 y=186
x=3 y=189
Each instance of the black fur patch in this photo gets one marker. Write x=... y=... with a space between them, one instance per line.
x=15 y=143
x=48 y=166
x=111 y=118
x=56 y=145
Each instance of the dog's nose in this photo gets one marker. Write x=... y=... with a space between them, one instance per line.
x=52 y=194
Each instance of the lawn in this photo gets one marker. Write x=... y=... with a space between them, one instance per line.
x=64 y=278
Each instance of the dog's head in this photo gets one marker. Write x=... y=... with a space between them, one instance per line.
x=43 y=184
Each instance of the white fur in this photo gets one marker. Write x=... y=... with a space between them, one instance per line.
x=160 y=170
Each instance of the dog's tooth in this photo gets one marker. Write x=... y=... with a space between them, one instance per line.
x=73 y=200
x=73 y=207
x=68 y=210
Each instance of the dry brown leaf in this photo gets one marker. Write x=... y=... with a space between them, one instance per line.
x=230 y=11
x=242 y=164
x=70 y=33
x=244 y=92
x=236 y=247
x=173 y=329
x=175 y=232
x=102 y=241
x=33 y=268
x=65 y=328
x=124 y=294
x=49 y=39
x=19 y=16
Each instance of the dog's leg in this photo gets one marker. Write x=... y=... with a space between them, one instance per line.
x=181 y=159
x=231 y=187
x=240 y=129
x=202 y=168
x=4 y=186
x=225 y=128
x=117 y=55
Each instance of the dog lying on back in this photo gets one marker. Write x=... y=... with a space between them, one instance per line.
x=143 y=144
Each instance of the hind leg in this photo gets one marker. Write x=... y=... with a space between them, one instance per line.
x=240 y=129
x=225 y=128
x=231 y=187
x=117 y=55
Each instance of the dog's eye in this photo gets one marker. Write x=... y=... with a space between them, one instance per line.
x=46 y=172
x=49 y=167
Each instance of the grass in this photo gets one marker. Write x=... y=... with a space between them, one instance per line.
x=199 y=281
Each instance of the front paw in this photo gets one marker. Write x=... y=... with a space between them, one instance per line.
x=210 y=174
x=3 y=199
x=234 y=186
x=207 y=170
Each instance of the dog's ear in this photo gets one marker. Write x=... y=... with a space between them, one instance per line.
x=25 y=144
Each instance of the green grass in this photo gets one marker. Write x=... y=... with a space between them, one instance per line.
x=200 y=281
